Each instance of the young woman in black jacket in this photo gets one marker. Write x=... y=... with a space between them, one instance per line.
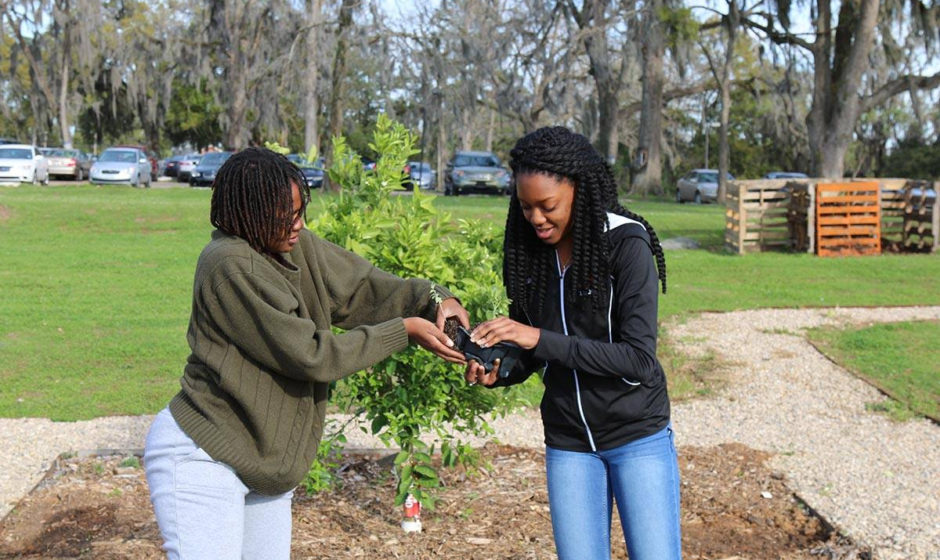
x=583 y=274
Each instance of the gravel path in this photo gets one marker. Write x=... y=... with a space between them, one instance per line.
x=875 y=480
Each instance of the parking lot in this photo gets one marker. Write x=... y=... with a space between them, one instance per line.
x=161 y=183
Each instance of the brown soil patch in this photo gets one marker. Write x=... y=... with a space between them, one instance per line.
x=5 y=213
x=733 y=507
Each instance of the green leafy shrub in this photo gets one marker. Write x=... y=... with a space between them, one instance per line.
x=414 y=392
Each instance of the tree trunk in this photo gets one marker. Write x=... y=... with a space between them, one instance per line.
x=647 y=162
x=607 y=138
x=732 y=21
x=65 y=129
x=236 y=136
x=441 y=143
x=224 y=26
x=466 y=129
x=312 y=107
x=490 y=131
x=339 y=79
x=835 y=108
x=592 y=22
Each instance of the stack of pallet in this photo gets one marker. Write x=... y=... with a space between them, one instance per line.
x=848 y=219
x=920 y=215
x=798 y=216
x=756 y=216
x=892 y=214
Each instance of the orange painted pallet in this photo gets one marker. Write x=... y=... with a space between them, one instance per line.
x=848 y=219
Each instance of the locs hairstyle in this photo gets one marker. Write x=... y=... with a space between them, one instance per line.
x=557 y=152
x=252 y=198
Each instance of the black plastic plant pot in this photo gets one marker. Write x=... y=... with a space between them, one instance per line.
x=506 y=352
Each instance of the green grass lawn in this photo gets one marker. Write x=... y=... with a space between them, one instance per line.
x=96 y=287
x=901 y=359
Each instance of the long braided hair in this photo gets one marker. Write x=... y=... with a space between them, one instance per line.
x=252 y=198
x=527 y=264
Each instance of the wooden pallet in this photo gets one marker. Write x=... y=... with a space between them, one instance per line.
x=921 y=215
x=757 y=215
x=848 y=218
x=892 y=216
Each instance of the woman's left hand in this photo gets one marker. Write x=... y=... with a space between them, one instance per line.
x=505 y=329
x=476 y=373
x=450 y=307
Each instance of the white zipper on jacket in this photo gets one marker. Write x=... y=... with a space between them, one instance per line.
x=564 y=326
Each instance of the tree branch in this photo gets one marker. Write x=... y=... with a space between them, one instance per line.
x=896 y=86
x=776 y=36
x=673 y=94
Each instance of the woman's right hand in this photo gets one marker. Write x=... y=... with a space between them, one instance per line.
x=426 y=334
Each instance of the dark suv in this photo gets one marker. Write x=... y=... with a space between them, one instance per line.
x=475 y=172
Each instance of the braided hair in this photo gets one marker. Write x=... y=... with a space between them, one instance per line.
x=252 y=198
x=527 y=264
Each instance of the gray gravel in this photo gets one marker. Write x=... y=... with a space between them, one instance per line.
x=875 y=480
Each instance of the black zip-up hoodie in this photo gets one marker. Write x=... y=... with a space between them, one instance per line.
x=604 y=386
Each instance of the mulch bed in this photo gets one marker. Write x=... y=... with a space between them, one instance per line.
x=733 y=507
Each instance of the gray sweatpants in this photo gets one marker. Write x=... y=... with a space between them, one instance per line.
x=203 y=509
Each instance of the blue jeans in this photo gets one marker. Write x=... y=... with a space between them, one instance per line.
x=643 y=476
x=203 y=509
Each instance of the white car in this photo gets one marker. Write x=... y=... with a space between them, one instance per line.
x=122 y=165
x=22 y=163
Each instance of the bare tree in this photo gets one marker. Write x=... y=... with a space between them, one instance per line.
x=540 y=66
x=237 y=29
x=840 y=56
x=47 y=55
x=596 y=24
x=730 y=24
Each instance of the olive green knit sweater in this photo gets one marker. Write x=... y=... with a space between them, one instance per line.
x=263 y=353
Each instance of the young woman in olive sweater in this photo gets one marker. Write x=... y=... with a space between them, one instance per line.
x=223 y=457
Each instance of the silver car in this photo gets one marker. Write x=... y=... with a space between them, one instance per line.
x=122 y=165
x=475 y=172
x=698 y=186
x=23 y=163
x=422 y=175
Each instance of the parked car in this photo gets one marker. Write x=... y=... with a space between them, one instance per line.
x=66 y=162
x=171 y=166
x=151 y=157
x=187 y=164
x=785 y=175
x=313 y=173
x=297 y=159
x=699 y=185
x=422 y=174
x=9 y=141
x=23 y=163
x=204 y=173
x=122 y=165
x=476 y=172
